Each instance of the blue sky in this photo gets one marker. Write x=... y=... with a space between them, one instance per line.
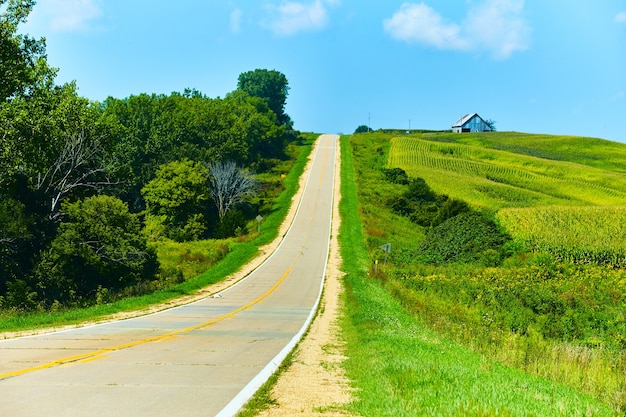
x=538 y=66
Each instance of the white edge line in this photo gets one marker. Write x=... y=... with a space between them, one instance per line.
x=235 y=405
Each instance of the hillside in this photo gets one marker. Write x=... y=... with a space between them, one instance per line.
x=511 y=246
x=502 y=169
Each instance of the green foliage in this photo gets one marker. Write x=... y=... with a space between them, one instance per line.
x=152 y=130
x=191 y=259
x=466 y=238
x=177 y=258
x=177 y=201
x=396 y=175
x=233 y=223
x=270 y=85
x=573 y=234
x=421 y=204
x=536 y=312
x=363 y=129
x=99 y=245
x=22 y=58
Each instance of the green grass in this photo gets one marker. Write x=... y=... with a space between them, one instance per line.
x=398 y=366
x=188 y=257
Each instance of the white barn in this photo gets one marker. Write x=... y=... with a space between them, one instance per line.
x=470 y=123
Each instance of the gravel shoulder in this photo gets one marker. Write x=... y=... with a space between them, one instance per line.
x=315 y=383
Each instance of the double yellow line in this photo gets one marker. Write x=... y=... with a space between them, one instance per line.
x=99 y=354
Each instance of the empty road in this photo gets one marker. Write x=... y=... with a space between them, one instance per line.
x=200 y=359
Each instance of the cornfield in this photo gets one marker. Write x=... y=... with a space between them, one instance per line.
x=496 y=179
x=579 y=234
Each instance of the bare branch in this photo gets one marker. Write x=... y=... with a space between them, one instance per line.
x=79 y=165
x=229 y=184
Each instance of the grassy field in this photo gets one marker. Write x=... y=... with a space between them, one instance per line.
x=553 y=312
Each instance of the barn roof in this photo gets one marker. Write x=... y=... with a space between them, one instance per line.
x=461 y=122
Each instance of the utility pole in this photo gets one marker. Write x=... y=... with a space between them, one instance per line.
x=369 y=122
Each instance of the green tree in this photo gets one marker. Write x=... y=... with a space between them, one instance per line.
x=100 y=245
x=270 y=85
x=22 y=59
x=177 y=201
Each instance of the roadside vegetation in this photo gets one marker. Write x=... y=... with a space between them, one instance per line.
x=503 y=291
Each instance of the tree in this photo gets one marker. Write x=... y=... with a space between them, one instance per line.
x=229 y=185
x=270 y=85
x=100 y=245
x=22 y=59
x=177 y=200
x=79 y=165
x=491 y=123
x=363 y=129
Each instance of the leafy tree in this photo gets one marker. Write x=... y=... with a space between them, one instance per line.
x=232 y=224
x=177 y=201
x=25 y=228
x=152 y=130
x=272 y=86
x=100 y=245
x=450 y=208
x=22 y=59
x=229 y=185
x=363 y=129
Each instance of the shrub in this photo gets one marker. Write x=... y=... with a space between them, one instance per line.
x=468 y=237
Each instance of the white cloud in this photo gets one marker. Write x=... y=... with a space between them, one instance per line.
x=235 y=21
x=290 y=17
x=620 y=17
x=420 y=23
x=495 y=26
x=65 y=15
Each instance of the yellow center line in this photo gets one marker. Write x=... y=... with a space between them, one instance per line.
x=99 y=354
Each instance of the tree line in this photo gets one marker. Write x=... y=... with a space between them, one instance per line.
x=85 y=185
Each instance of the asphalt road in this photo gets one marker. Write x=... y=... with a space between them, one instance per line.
x=202 y=359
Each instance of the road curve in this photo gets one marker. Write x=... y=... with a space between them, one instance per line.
x=202 y=359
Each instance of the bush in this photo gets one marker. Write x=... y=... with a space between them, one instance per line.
x=232 y=224
x=468 y=237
